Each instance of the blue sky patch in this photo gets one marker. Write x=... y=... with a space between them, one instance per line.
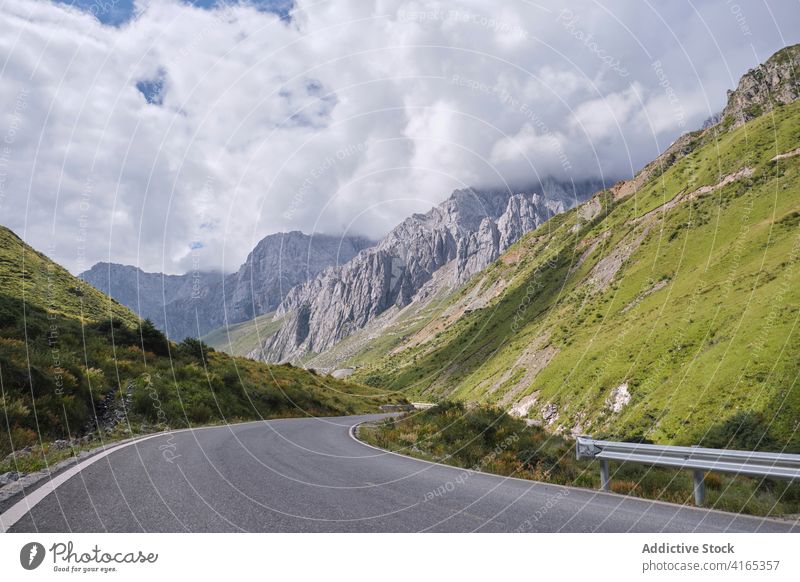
x=118 y=12
x=153 y=89
x=319 y=104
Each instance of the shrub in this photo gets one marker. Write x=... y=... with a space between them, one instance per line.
x=201 y=413
x=624 y=487
x=195 y=348
x=21 y=438
x=748 y=431
x=488 y=439
x=152 y=339
x=714 y=481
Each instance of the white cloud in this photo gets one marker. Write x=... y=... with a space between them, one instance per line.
x=602 y=118
x=347 y=118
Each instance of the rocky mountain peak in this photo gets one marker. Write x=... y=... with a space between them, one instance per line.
x=466 y=233
x=196 y=303
x=773 y=83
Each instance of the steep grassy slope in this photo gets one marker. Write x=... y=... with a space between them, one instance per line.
x=239 y=339
x=30 y=276
x=73 y=361
x=667 y=311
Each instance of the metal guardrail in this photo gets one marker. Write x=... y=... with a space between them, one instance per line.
x=697 y=459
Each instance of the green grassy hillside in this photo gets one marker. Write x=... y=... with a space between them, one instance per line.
x=73 y=362
x=240 y=339
x=665 y=309
x=29 y=276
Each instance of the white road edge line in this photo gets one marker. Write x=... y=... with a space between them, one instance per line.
x=17 y=511
x=595 y=492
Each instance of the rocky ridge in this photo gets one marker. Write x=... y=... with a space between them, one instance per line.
x=775 y=82
x=467 y=232
x=196 y=303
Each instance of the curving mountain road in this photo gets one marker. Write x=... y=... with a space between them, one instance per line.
x=310 y=475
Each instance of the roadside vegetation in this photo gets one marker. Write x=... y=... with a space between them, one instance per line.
x=487 y=439
x=76 y=364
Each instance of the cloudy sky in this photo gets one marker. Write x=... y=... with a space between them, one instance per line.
x=174 y=135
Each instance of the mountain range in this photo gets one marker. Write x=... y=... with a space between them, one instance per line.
x=193 y=304
x=424 y=254
x=75 y=363
x=661 y=308
x=298 y=294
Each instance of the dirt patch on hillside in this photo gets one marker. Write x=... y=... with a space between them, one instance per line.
x=677 y=150
x=682 y=197
x=638 y=299
x=790 y=154
x=521 y=374
x=606 y=269
x=589 y=210
x=512 y=257
x=522 y=407
x=476 y=298
x=592 y=247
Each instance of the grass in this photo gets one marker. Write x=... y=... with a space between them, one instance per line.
x=487 y=439
x=30 y=276
x=45 y=455
x=242 y=338
x=707 y=354
x=63 y=366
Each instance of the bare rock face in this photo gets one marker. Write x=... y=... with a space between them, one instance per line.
x=619 y=398
x=471 y=228
x=196 y=303
x=144 y=293
x=776 y=82
x=523 y=214
x=549 y=413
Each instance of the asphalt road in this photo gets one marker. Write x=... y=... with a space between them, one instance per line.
x=310 y=475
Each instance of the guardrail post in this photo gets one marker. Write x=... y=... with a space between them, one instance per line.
x=604 y=480
x=699 y=487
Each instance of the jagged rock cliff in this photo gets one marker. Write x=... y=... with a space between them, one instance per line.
x=776 y=82
x=467 y=232
x=196 y=303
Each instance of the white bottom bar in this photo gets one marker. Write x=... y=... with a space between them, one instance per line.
x=404 y=557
